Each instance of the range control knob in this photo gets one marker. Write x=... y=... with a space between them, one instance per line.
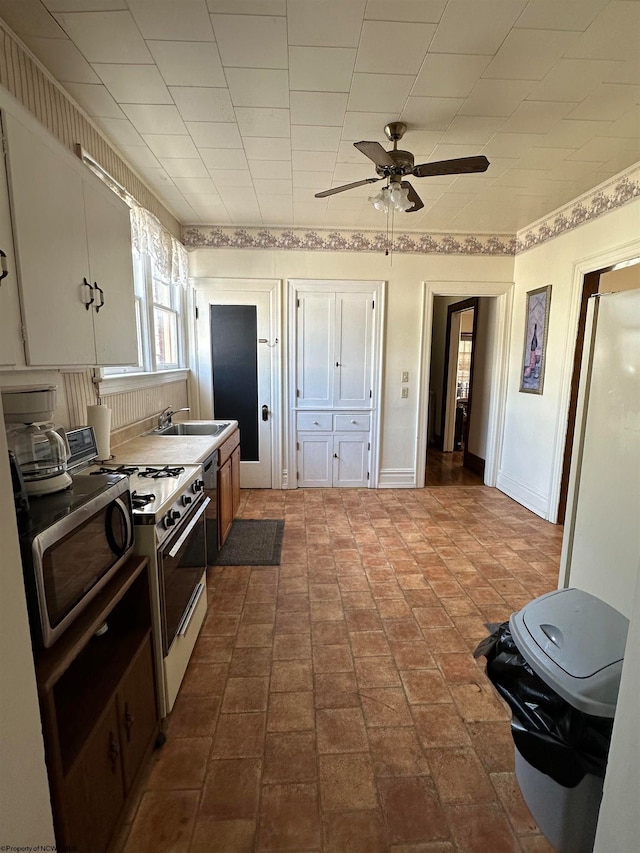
x=185 y=500
x=198 y=486
x=174 y=514
x=168 y=520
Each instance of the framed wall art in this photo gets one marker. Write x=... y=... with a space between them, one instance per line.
x=535 y=339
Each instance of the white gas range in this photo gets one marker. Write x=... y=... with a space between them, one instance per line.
x=169 y=507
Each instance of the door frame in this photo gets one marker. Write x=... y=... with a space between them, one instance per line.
x=503 y=291
x=472 y=304
x=229 y=286
x=378 y=290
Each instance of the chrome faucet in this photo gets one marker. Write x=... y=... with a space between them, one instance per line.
x=164 y=418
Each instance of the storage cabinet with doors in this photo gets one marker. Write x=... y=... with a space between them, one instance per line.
x=333 y=449
x=72 y=237
x=99 y=710
x=11 y=346
x=228 y=484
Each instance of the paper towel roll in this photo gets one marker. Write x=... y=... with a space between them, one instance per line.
x=99 y=417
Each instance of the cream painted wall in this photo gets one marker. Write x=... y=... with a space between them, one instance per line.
x=535 y=425
x=405 y=275
x=25 y=808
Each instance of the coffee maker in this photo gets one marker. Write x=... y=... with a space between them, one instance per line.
x=40 y=448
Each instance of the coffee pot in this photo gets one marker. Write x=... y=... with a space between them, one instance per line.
x=40 y=449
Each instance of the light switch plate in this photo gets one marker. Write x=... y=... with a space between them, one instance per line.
x=405 y=392
x=405 y=376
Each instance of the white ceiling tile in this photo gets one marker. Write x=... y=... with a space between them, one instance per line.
x=369 y=126
x=321 y=69
x=248 y=7
x=171 y=145
x=96 y=101
x=376 y=92
x=246 y=41
x=424 y=11
x=272 y=169
x=471 y=130
x=211 y=134
x=263 y=121
x=180 y=167
x=200 y=104
x=627 y=125
x=572 y=133
x=262 y=148
x=313 y=161
x=140 y=156
x=224 y=158
x=305 y=138
x=624 y=71
x=536 y=116
x=568 y=15
x=600 y=149
x=572 y=79
x=263 y=87
x=197 y=186
x=134 y=84
x=510 y=144
x=120 y=131
x=157 y=176
x=156 y=118
x=607 y=102
x=613 y=34
x=449 y=75
x=188 y=63
x=471 y=183
x=326 y=108
x=179 y=206
x=316 y=181
x=346 y=173
x=266 y=186
x=478 y=28
x=496 y=97
x=393 y=48
x=62 y=58
x=208 y=207
x=452 y=152
x=29 y=17
x=87 y=29
x=187 y=20
x=315 y=22
x=231 y=178
x=543 y=158
x=84 y=5
x=431 y=113
x=529 y=54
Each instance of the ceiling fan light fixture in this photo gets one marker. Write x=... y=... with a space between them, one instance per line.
x=381 y=200
x=399 y=197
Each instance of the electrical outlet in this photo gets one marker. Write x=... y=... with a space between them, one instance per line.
x=405 y=376
x=405 y=392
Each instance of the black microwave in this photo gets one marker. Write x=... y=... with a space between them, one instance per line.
x=72 y=544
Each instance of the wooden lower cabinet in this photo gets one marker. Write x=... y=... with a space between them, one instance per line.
x=99 y=710
x=228 y=484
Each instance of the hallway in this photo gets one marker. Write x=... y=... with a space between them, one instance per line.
x=446 y=469
x=333 y=704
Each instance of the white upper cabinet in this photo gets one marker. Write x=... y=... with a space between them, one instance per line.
x=11 y=347
x=334 y=349
x=73 y=245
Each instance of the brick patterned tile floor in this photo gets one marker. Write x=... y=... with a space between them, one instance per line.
x=333 y=702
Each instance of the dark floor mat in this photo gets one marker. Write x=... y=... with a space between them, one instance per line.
x=251 y=542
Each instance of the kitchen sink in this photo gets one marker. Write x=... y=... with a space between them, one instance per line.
x=192 y=428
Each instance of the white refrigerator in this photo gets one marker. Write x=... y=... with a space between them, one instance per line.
x=601 y=545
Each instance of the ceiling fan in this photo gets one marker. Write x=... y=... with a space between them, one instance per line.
x=396 y=164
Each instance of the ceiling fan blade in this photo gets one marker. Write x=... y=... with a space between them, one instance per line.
x=374 y=151
x=344 y=187
x=460 y=166
x=413 y=197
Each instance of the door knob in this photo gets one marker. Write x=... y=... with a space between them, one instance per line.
x=265 y=413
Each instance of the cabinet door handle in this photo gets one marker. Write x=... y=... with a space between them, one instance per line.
x=335 y=456
x=114 y=750
x=265 y=412
x=129 y=720
x=101 y=292
x=3 y=265
x=85 y=283
x=337 y=364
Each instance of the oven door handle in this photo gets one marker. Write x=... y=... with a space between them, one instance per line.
x=189 y=528
x=183 y=627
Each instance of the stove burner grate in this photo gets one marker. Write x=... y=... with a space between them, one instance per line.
x=138 y=501
x=121 y=469
x=160 y=473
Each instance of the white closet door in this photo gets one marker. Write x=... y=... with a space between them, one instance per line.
x=315 y=356
x=353 y=350
x=350 y=460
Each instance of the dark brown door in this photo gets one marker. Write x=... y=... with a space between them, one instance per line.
x=137 y=714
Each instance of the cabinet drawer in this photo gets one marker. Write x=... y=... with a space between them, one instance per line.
x=344 y=423
x=315 y=421
x=225 y=450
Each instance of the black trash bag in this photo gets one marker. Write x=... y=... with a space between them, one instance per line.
x=550 y=734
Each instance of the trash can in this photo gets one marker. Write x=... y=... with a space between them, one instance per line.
x=557 y=663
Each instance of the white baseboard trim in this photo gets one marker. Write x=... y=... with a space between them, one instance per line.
x=529 y=498
x=397 y=478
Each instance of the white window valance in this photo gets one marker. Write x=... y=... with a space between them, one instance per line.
x=149 y=237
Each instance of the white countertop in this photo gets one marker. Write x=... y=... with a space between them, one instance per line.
x=170 y=449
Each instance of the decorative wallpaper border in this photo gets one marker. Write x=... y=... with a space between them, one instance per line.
x=608 y=196
x=319 y=240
